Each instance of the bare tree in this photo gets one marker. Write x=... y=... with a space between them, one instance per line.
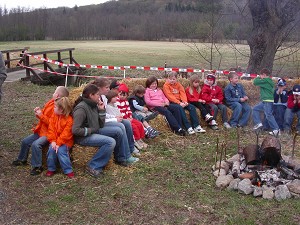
x=272 y=22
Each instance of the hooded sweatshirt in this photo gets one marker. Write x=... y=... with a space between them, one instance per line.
x=210 y=92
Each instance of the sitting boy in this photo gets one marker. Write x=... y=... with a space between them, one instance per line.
x=293 y=107
x=236 y=99
x=38 y=139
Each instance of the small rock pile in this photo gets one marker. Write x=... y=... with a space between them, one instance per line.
x=234 y=175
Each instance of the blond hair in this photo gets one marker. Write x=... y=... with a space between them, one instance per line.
x=231 y=75
x=192 y=80
x=62 y=91
x=64 y=104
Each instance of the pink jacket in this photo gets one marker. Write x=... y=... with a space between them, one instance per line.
x=155 y=98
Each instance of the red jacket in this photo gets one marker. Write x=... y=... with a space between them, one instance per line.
x=42 y=127
x=290 y=102
x=193 y=98
x=212 y=92
x=60 y=130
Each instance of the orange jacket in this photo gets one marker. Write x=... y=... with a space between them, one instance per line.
x=42 y=127
x=174 y=92
x=60 y=130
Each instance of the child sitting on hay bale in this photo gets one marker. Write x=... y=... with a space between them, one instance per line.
x=175 y=92
x=156 y=100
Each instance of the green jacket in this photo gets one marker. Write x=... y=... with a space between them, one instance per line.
x=266 y=88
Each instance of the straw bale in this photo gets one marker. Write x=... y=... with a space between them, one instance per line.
x=75 y=93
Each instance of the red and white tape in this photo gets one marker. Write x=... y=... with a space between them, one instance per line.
x=145 y=68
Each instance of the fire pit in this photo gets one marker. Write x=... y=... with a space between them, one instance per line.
x=260 y=170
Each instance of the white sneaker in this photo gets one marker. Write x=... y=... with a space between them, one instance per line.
x=208 y=117
x=199 y=129
x=138 y=145
x=213 y=123
x=257 y=126
x=191 y=131
x=227 y=125
x=275 y=133
x=136 y=152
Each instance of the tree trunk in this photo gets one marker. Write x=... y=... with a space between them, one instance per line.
x=271 y=22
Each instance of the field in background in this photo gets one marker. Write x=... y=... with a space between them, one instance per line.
x=146 y=53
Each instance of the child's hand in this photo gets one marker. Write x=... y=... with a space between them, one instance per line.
x=201 y=100
x=215 y=100
x=53 y=145
x=119 y=118
x=100 y=105
x=166 y=104
x=37 y=111
x=246 y=98
x=145 y=109
x=182 y=104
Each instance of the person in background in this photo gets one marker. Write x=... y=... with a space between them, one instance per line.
x=280 y=102
x=293 y=107
x=3 y=74
x=114 y=85
x=266 y=85
x=213 y=95
x=236 y=99
x=38 y=139
x=123 y=104
x=157 y=101
x=175 y=92
x=193 y=93
x=60 y=138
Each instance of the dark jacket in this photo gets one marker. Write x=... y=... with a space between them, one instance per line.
x=88 y=119
x=140 y=101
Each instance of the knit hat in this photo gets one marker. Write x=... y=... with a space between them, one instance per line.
x=123 y=87
x=296 y=89
x=114 y=84
x=281 y=82
x=211 y=77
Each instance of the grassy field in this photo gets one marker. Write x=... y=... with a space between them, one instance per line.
x=145 y=53
x=172 y=183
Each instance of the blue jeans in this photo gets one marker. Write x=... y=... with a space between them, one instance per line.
x=279 y=111
x=62 y=156
x=36 y=143
x=223 y=109
x=172 y=114
x=267 y=109
x=241 y=112
x=103 y=155
x=117 y=131
x=288 y=120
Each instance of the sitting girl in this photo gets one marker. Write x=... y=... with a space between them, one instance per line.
x=60 y=138
x=156 y=100
x=193 y=93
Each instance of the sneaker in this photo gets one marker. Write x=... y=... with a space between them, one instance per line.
x=213 y=123
x=275 y=133
x=70 y=175
x=137 y=145
x=180 y=132
x=191 y=131
x=214 y=127
x=227 y=125
x=132 y=160
x=151 y=133
x=257 y=126
x=18 y=162
x=208 y=117
x=92 y=172
x=199 y=129
x=36 y=171
x=142 y=143
x=49 y=173
x=136 y=152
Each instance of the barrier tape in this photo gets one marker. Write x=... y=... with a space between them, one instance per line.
x=145 y=68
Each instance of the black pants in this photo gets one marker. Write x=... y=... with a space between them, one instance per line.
x=204 y=108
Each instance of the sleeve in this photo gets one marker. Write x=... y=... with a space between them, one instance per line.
x=78 y=129
x=102 y=115
x=182 y=93
x=147 y=98
x=276 y=96
x=47 y=113
x=50 y=133
x=136 y=105
x=290 y=102
x=66 y=135
x=205 y=93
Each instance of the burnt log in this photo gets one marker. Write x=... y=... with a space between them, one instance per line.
x=270 y=151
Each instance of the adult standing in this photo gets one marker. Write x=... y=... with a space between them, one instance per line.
x=3 y=74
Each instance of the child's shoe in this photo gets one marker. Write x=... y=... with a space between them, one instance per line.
x=191 y=131
x=142 y=143
x=70 y=175
x=151 y=133
x=36 y=171
x=49 y=173
x=208 y=117
x=132 y=160
x=136 y=152
x=138 y=145
x=213 y=125
x=199 y=129
x=275 y=133
x=180 y=132
x=18 y=162
x=227 y=125
x=257 y=126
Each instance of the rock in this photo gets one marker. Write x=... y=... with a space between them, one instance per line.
x=294 y=186
x=222 y=173
x=223 y=181
x=245 y=186
x=258 y=191
x=233 y=185
x=224 y=165
x=235 y=158
x=282 y=192
x=267 y=192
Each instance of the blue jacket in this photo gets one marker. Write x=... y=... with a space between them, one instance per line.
x=234 y=93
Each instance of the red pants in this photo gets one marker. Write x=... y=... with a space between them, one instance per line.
x=138 y=129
